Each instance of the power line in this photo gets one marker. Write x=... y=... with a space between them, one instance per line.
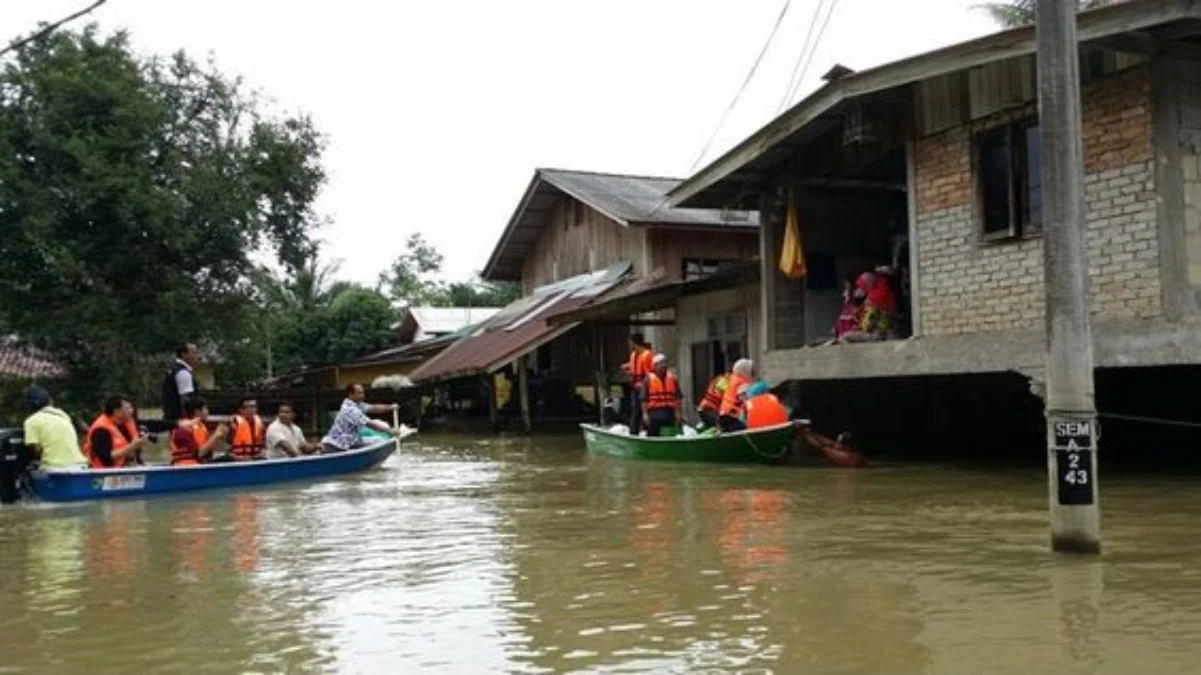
x=754 y=67
x=809 y=61
x=800 y=57
x=50 y=28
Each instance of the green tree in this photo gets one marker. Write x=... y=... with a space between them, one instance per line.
x=132 y=194
x=358 y=321
x=410 y=281
x=1022 y=12
x=478 y=293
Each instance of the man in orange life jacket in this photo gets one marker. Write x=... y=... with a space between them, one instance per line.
x=729 y=416
x=191 y=442
x=710 y=404
x=246 y=441
x=661 y=398
x=638 y=368
x=113 y=441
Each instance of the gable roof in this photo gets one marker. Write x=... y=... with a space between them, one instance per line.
x=1142 y=23
x=630 y=201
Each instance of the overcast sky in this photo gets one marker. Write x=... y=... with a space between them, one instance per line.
x=437 y=113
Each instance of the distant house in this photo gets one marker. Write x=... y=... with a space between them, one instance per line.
x=577 y=236
x=418 y=324
x=21 y=361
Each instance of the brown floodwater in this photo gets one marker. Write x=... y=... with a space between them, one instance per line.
x=473 y=556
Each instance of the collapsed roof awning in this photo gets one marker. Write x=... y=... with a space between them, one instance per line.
x=650 y=294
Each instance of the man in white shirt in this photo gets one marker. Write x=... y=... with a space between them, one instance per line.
x=284 y=437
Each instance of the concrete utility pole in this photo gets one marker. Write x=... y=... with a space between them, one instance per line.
x=1070 y=409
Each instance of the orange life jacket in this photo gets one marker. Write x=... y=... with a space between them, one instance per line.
x=181 y=456
x=715 y=392
x=640 y=365
x=662 y=392
x=765 y=410
x=120 y=439
x=246 y=441
x=731 y=402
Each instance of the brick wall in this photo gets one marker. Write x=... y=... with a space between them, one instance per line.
x=967 y=285
x=1190 y=163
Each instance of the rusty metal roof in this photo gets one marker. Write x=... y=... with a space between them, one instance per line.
x=23 y=361
x=518 y=329
x=630 y=201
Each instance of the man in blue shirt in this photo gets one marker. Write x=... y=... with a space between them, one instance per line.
x=352 y=418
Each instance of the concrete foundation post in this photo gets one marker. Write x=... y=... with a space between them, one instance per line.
x=1070 y=407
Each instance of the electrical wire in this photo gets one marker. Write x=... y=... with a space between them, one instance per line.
x=800 y=58
x=738 y=96
x=796 y=86
x=50 y=28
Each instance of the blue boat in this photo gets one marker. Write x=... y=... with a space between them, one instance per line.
x=75 y=485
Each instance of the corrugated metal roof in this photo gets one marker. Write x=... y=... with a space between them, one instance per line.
x=517 y=329
x=442 y=320
x=628 y=200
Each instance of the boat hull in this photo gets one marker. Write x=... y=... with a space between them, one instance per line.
x=769 y=445
x=142 y=481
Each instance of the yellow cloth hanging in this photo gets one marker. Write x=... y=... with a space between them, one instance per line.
x=792 y=256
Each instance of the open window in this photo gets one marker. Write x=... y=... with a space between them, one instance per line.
x=699 y=268
x=1009 y=180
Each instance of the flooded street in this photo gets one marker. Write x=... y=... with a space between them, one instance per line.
x=470 y=556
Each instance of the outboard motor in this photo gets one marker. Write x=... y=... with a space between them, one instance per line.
x=14 y=460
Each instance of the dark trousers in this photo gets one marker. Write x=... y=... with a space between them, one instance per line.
x=659 y=418
x=708 y=417
x=635 y=410
x=728 y=423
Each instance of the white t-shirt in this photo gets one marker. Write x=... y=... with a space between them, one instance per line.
x=278 y=431
x=185 y=380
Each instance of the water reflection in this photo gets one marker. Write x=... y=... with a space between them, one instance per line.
x=517 y=556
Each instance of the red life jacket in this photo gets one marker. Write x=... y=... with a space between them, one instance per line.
x=121 y=436
x=662 y=392
x=246 y=442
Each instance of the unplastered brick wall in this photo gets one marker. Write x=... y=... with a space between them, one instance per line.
x=967 y=285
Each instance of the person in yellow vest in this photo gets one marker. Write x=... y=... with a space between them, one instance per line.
x=710 y=405
x=247 y=432
x=50 y=432
x=661 y=398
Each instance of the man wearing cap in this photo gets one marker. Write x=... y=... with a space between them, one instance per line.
x=661 y=400
x=50 y=433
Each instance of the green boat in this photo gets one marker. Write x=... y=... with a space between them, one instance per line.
x=768 y=445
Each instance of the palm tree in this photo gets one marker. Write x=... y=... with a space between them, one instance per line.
x=311 y=287
x=1021 y=12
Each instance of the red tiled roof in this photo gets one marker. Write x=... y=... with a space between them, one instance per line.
x=22 y=361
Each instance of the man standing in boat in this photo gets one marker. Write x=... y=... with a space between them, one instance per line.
x=180 y=383
x=661 y=404
x=352 y=418
x=638 y=367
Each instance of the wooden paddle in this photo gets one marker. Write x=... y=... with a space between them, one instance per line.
x=837 y=452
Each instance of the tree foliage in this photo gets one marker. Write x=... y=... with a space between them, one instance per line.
x=1022 y=12
x=412 y=281
x=309 y=318
x=132 y=194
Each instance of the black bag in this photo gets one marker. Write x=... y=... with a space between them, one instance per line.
x=170 y=393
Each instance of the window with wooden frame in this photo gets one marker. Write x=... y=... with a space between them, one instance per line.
x=1009 y=180
x=699 y=268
